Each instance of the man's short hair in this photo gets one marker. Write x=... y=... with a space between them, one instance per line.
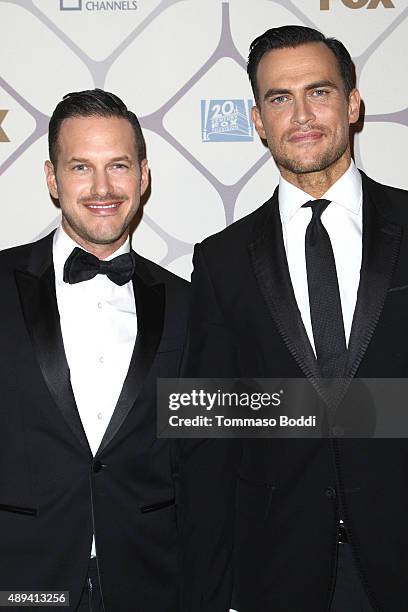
x=92 y=103
x=294 y=36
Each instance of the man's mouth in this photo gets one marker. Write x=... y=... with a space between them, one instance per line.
x=103 y=208
x=300 y=137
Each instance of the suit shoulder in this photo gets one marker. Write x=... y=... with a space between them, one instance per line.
x=396 y=193
x=238 y=232
x=17 y=255
x=16 y=252
x=177 y=294
x=163 y=275
x=393 y=200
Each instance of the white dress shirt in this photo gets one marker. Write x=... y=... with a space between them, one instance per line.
x=99 y=326
x=343 y=220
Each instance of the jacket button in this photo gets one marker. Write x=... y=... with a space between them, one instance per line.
x=97 y=466
x=330 y=493
x=338 y=431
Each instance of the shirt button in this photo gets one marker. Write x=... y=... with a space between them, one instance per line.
x=101 y=359
x=100 y=416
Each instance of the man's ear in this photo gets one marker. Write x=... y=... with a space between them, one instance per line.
x=51 y=179
x=144 y=176
x=256 y=118
x=354 y=106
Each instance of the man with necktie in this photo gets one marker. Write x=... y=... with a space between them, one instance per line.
x=312 y=284
x=87 y=491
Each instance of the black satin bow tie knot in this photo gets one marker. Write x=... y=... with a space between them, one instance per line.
x=82 y=266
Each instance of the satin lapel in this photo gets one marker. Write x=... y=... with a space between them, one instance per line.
x=36 y=287
x=381 y=244
x=150 y=319
x=268 y=257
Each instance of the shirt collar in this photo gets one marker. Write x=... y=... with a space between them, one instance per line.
x=347 y=192
x=63 y=245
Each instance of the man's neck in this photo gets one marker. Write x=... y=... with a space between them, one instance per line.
x=101 y=251
x=316 y=184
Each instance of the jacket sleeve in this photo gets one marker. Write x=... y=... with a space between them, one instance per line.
x=211 y=347
x=208 y=466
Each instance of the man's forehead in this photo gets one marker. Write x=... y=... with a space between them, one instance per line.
x=96 y=133
x=311 y=60
x=94 y=124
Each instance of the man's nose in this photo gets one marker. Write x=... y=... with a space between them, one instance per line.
x=302 y=111
x=101 y=183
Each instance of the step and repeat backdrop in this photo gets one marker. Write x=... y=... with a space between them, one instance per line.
x=180 y=65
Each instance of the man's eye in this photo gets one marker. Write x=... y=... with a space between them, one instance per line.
x=120 y=166
x=319 y=93
x=80 y=167
x=279 y=99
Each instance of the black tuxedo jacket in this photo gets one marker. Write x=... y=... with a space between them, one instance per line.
x=285 y=495
x=53 y=492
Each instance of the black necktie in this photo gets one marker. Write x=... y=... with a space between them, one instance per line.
x=81 y=266
x=324 y=295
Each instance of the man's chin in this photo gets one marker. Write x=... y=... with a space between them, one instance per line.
x=303 y=166
x=106 y=240
x=308 y=168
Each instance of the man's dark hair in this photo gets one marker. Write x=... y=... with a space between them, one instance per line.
x=92 y=103
x=293 y=36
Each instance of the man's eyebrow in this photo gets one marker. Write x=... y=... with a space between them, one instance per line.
x=283 y=92
x=276 y=92
x=319 y=84
x=81 y=160
x=122 y=158
x=84 y=160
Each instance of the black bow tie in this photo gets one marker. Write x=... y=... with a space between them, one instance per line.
x=81 y=266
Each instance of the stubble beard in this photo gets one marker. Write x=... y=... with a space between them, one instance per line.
x=75 y=229
x=318 y=164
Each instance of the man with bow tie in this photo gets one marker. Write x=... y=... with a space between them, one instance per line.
x=87 y=491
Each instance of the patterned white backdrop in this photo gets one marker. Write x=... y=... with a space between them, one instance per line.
x=180 y=65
